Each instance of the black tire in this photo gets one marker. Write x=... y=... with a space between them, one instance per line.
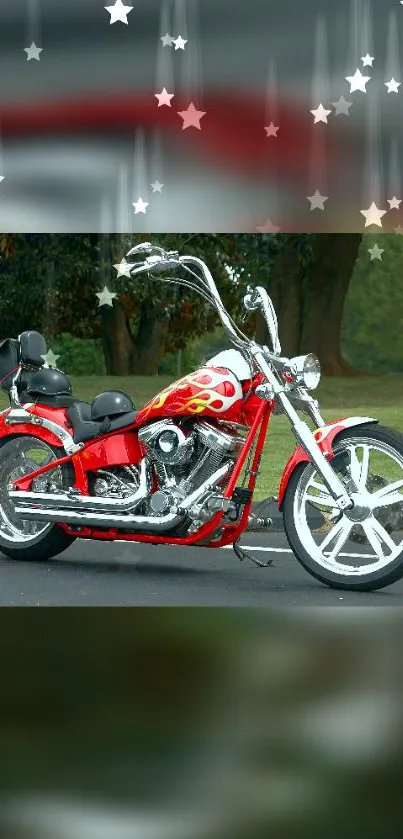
x=52 y=540
x=365 y=582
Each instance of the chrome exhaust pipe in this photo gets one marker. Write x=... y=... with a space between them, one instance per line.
x=82 y=503
x=128 y=521
x=103 y=521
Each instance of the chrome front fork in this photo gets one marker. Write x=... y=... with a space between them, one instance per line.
x=305 y=438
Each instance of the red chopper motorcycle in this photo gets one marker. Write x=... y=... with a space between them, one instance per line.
x=182 y=470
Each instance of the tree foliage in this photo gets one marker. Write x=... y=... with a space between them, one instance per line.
x=49 y=282
x=372 y=334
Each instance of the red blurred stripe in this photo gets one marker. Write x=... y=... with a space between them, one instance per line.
x=232 y=132
x=232 y=135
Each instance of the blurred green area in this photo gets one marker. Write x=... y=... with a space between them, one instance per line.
x=372 y=334
x=288 y=723
x=380 y=397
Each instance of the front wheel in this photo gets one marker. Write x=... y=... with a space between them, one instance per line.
x=30 y=540
x=360 y=549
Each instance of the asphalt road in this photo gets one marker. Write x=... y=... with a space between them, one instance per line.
x=117 y=574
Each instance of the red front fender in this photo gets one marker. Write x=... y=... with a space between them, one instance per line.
x=324 y=437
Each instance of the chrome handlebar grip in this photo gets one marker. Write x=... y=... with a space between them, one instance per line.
x=146 y=248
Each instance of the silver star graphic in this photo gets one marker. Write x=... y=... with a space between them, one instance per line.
x=320 y=113
x=50 y=358
x=157 y=186
x=167 y=40
x=373 y=215
x=179 y=43
x=393 y=86
x=123 y=268
x=394 y=203
x=317 y=201
x=358 y=82
x=106 y=296
x=271 y=130
x=367 y=60
x=268 y=227
x=119 y=12
x=140 y=206
x=33 y=52
x=376 y=252
x=342 y=106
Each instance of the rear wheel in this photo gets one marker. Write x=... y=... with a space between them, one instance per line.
x=361 y=549
x=30 y=540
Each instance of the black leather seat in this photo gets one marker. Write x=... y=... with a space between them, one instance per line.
x=26 y=351
x=79 y=415
x=85 y=429
x=59 y=400
x=32 y=348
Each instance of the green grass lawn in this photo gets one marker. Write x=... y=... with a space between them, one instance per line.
x=379 y=397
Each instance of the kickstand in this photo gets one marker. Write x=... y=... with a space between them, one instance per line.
x=241 y=554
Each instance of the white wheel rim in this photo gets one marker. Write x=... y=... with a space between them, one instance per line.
x=329 y=548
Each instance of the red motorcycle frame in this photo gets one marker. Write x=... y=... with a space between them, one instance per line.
x=193 y=454
x=123 y=448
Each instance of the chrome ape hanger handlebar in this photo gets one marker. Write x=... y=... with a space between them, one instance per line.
x=158 y=262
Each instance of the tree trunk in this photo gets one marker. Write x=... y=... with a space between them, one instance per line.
x=116 y=340
x=286 y=293
x=310 y=302
x=326 y=285
x=150 y=343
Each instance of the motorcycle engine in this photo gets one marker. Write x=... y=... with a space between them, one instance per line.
x=184 y=456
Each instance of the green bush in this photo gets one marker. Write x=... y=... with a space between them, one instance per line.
x=79 y=357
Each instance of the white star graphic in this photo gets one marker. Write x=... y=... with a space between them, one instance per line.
x=271 y=130
x=268 y=227
x=317 y=201
x=2 y=178
x=358 y=81
x=50 y=358
x=157 y=186
x=167 y=40
x=164 y=98
x=393 y=86
x=320 y=113
x=191 y=117
x=373 y=215
x=119 y=12
x=140 y=206
x=376 y=252
x=179 y=43
x=123 y=268
x=394 y=203
x=106 y=296
x=33 y=52
x=342 y=106
x=367 y=60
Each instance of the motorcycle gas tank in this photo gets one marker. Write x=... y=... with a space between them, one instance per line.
x=232 y=360
x=209 y=392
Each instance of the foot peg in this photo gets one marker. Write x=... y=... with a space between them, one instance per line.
x=242 y=554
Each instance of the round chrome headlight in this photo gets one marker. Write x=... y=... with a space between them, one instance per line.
x=306 y=370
